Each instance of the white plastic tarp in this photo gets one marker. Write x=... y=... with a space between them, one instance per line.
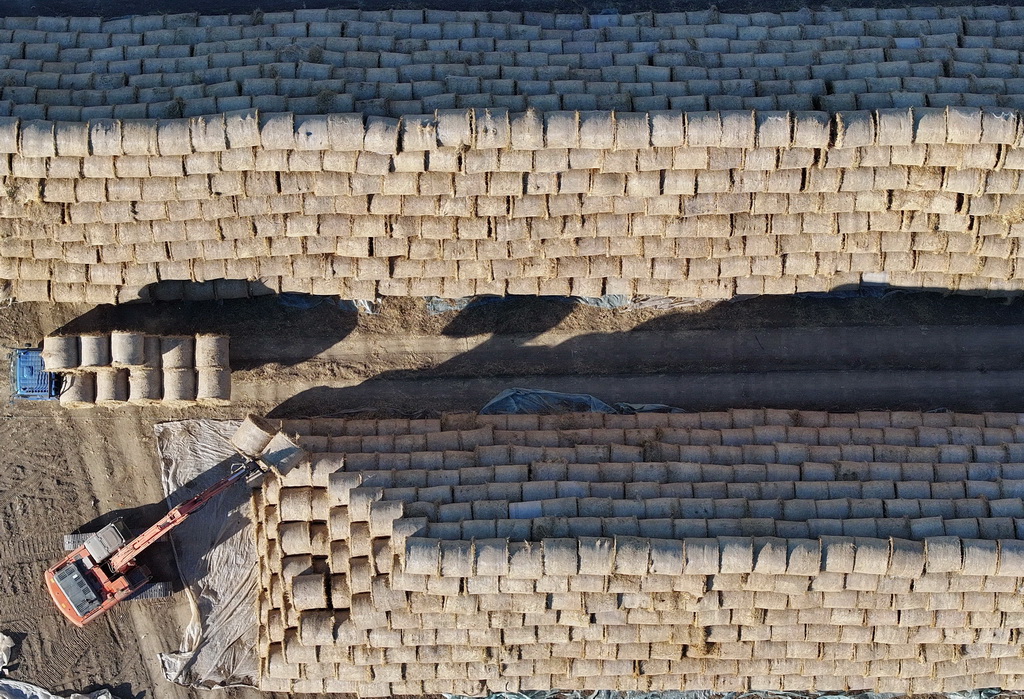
x=216 y=557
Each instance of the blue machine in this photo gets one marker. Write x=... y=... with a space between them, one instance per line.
x=29 y=378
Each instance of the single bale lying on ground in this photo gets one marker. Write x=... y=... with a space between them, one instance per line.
x=94 y=350
x=214 y=385
x=179 y=384
x=61 y=352
x=177 y=352
x=212 y=351
x=127 y=348
x=253 y=435
x=79 y=390
x=111 y=385
x=145 y=384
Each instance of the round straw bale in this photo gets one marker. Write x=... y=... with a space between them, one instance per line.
x=94 y=350
x=770 y=556
x=316 y=628
x=811 y=130
x=895 y=127
x=212 y=351
x=597 y=556
x=178 y=352
x=491 y=128
x=561 y=130
x=383 y=514
x=214 y=385
x=702 y=557
x=930 y=125
x=560 y=556
x=527 y=131
x=381 y=135
x=803 y=557
x=737 y=554
x=422 y=556
x=943 y=554
x=79 y=389
x=632 y=555
x=837 y=553
x=454 y=128
x=1011 y=558
x=981 y=557
x=854 y=129
x=632 y=131
x=704 y=129
x=294 y=538
x=963 y=125
x=145 y=384
x=283 y=453
x=295 y=504
x=871 y=556
x=319 y=539
x=457 y=559
x=738 y=129
x=666 y=556
x=293 y=565
x=667 y=129
x=60 y=352
x=253 y=435
x=111 y=385
x=151 y=351
x=525 y=560
x=492 y=557
x=320 y=504
x=906 y=559
x=127 y=348
x=309 y=591
x=179 y=384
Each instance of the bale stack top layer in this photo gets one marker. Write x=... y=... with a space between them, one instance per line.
x=729 y=551
x=430 y=153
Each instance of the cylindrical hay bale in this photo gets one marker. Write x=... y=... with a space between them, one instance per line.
x=94 y=350
x=214 y=384
x=283 y=454
x=295 y=504
x=737 y=554
x=294 y=538
x=79 y=389
x=179 y=384
x=309 y=591
x=316 y=628
x=253 y=435
x=560 y=557
x=837 y=554
x=60 y=352
x=151 y=352
x=212 y=351
x=422 y=556
x=127 y=349
x=632 y=555
x=145 y=384
x=597 y=556
x=111 y=385
x=177 y=352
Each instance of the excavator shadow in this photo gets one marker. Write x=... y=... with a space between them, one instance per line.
x=160 y=558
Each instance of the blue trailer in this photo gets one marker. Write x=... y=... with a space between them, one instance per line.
x=29 y=378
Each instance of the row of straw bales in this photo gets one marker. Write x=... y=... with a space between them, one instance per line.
x=130 y=367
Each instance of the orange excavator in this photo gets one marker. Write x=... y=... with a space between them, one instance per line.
x=104 y=569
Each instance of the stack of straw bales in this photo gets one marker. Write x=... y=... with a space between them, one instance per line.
x=130 y=367
x=434 y=153
x=735 y=550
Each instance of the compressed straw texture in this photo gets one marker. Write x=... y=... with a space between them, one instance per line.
x=127 y=348
x=60 y=352
x=111 y=385
x=735 y=550
x=94 y=350
x=253 y=435
x=145 y=384
x=212 y=351
x=213 y=384
x=177 y=352
x=179 y=385
x=79 y=390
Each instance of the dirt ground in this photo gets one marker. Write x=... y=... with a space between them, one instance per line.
x=63 y=470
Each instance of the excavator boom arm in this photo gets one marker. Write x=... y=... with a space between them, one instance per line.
x=125 y=556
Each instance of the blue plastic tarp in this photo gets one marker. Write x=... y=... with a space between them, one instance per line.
x=536 y=401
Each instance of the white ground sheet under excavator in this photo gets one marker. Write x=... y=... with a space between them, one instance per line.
x=216 y=557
